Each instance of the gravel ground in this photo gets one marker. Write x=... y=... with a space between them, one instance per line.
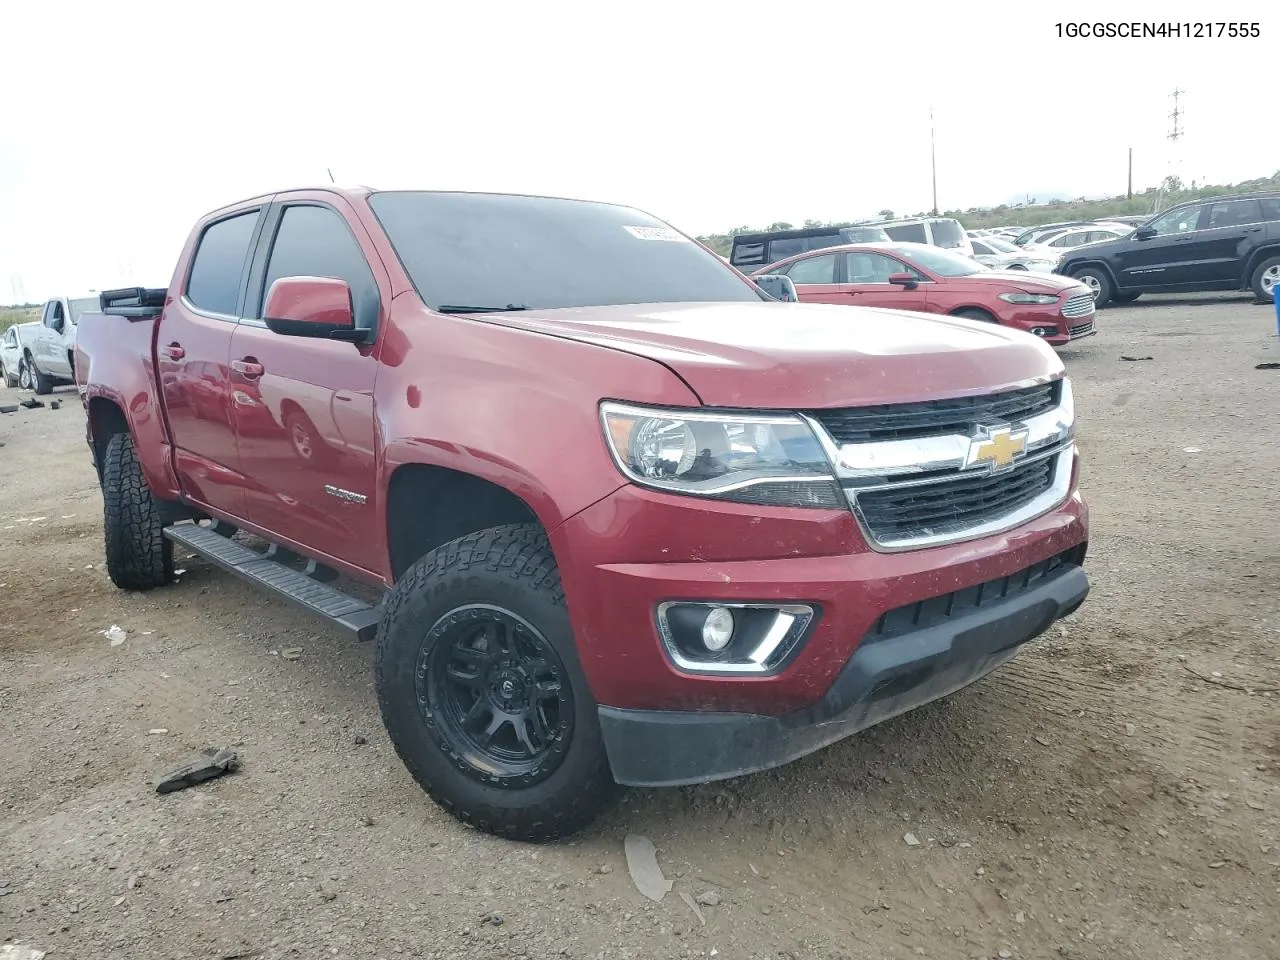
x=1113 y=792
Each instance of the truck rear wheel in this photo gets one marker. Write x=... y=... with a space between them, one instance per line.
x=482 y=693
x=139 y=556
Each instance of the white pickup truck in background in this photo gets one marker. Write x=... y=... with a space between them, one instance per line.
x=48 y=352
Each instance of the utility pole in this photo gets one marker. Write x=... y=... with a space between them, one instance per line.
x=933 y=162
x=330 y=173
x=1129 y=193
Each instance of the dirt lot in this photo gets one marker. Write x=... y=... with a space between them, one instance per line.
x=1113 y=793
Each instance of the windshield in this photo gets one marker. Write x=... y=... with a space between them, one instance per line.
x=998 y=245
x=83 y=306
x=487 y=250
x=943 y=262
x=947 y=233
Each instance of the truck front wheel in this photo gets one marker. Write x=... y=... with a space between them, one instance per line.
x=482 y=693
x=41 y=383
x=139 y=556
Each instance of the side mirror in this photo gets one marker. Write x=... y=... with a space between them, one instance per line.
x=778 y=287
x=311 y=307
x=1144 y=233
x=905 y=280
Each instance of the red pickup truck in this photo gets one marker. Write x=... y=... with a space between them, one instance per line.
x=633 y=520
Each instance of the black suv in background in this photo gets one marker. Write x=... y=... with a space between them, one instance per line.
x=1226 y=243
x=753 y=250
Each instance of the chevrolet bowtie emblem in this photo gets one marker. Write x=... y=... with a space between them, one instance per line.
x=996 y=447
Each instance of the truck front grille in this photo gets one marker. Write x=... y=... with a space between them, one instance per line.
x=942 y=471
x=904 y=421
x=954 y=505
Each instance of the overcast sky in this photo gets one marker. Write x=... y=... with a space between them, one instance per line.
x=122 y=122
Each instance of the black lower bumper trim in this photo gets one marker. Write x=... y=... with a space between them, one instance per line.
x=658 y=748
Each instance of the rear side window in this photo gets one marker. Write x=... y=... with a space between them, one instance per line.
x=316 y=242
x=908 y=233
x=1232 y=213
x=214 y=283
x=745 y=253
x=981 y=248
x=947 y=233
x=813 y=270
x=1271 y=208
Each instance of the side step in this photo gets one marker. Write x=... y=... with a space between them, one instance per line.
x=346 y=613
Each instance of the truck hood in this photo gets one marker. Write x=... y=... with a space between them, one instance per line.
x=804 y=355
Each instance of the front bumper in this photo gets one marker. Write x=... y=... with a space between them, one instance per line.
x=886 y=676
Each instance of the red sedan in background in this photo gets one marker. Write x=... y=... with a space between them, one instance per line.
x=929 y=279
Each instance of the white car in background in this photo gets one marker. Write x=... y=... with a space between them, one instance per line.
x=1055 y=245
x=1000 y=254
x=13 y=342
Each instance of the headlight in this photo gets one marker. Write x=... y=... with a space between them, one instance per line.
x=761 y=459
x=1028 y=297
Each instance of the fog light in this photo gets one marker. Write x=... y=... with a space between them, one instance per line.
x=732 y=637
x=717 y=629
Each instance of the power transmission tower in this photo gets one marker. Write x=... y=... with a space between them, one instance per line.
x=1176 y=132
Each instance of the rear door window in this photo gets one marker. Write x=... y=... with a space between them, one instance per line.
x=1234 y=213
x=1271 y=208
x=214 y=283
x=908 y=233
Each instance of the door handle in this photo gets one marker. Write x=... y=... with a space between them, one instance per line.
x=1257 y=229
x=173 y=351
x=248 y=368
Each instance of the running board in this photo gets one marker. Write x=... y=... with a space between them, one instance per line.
x=346 y=613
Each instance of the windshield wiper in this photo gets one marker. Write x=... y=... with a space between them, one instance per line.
x=454 y=308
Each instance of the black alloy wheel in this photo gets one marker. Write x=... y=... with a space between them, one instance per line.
x=495 y=690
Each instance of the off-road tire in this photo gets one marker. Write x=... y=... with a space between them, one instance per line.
x=139 y=556
x=1255 y=281
x=1095 y=278
x=510 y=567
x=41 y=382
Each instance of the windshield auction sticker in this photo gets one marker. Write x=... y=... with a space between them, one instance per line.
x=657 y=233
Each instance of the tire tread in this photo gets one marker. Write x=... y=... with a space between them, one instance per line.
x=522 y=553
x=139 y=557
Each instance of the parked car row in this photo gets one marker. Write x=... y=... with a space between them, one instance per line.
x=39 y=355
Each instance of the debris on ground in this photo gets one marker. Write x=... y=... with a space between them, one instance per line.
x=1191 y=450
x=642 y=862
x=291 y=653
x=9 y=408
x=55 y=405
x=688 y=900
x=11 y=952
x=911 y=840
x=1268 y=365
x=31 y=403
x=114 y=634
x=209 y=763
x=709 y=898
x=1125 y=356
